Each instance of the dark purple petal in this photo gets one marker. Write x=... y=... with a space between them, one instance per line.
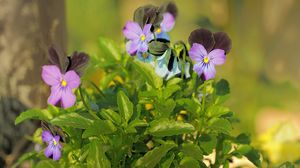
x=209 y=71
x=53 y=56
x=132 y=47
x=202 y=36
x=197 y=52
x=217 y=56
x=47 y=136
x=222 y=41
x=56 y=153
x=48 y=151
x=55 y=95
x=68 y=98
x=51 y=74
x=72 y=79
x=78 y=62
x=198 y=68
x=169 y=7
x=167 y=23
x=132 y=30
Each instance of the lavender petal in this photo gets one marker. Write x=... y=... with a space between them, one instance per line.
x=72 y=79
x=51 y=74
x=47 y=136
x=168 y=22
x=132 y=30
x=68 y=98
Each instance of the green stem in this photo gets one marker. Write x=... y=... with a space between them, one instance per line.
x=204 y=96
x=86 y=105
x=97 y=88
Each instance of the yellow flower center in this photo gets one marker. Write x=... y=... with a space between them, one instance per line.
x=63 y=83
x=145 y=55
x=143 y=37
x=54 y=142
x=158 y=30
x=205 y=60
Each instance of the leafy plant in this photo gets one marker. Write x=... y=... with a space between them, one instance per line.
x=137 y=117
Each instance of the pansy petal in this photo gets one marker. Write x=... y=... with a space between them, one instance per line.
x=204 y=37
x=72 y=79
x=168 y=22
x=217 y=56
x=68 y=98
x=143 y=47
x=147 y=29
x=55 y=95
x=209 y=71
x=47 y=136
x=163 y=35
x=132 y=46
x=132 y=30
x=197 y=52
x=56 y=153
x=48 y=151
x=198 y=68
x=222 y=41
x=51 y=74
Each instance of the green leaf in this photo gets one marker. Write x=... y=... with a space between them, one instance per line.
x=99 y=127
x=217 y=111
x=148 y=73
x=73 y=120
x=208 y=143
x=33 y=114
x=174 y=81
x=189 y=162
x=226 y=146
x=96 y=157
x=221 y=125
x=165 y=108
x=243 y=139
x=169 y=90
x=251 y=153
x=192 y=150
x=125 y=106
x=166 y=163
x=109 y=48
x=152 y=158
x=222 y=87
x=48 y=164
x=166 y=127
x=189 y=105
x=111 y=115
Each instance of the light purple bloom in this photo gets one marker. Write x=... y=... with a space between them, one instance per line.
x=138 y=37
x=53 y=148
x=61 y=85
x=166 y=25
x=205 y=62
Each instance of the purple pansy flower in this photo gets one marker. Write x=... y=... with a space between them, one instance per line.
x=208 y=49
x=166 y=25
x=138 y=37
x=53 y=148
x=61 y=85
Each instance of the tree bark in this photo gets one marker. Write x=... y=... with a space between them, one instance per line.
x=27 y=29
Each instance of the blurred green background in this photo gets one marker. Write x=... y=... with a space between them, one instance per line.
x=262 y=68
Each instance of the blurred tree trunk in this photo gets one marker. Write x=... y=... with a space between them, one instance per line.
x=27 y=28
